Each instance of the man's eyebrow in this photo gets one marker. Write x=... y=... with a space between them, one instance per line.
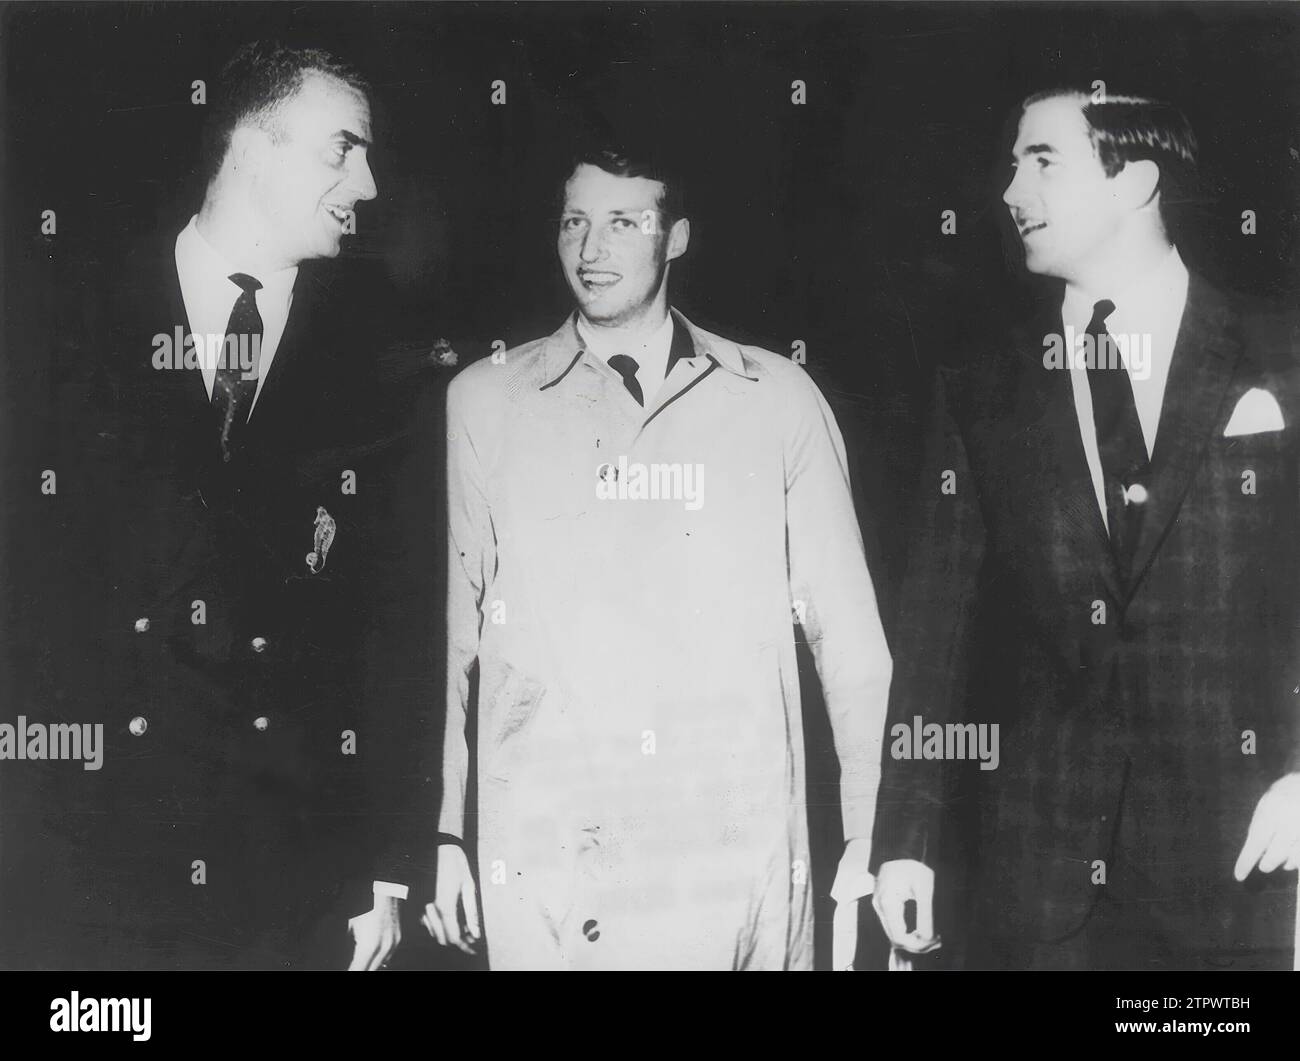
x=618 y=211
x=1036 y=149
x=353 y=139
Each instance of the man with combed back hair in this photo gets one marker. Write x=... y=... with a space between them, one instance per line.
x=1114 y=583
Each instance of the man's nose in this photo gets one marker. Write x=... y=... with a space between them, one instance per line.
x=362 y=180
x=1013 y=195
x=593 y=244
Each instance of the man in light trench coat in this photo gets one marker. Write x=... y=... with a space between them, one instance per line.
x=637 y=509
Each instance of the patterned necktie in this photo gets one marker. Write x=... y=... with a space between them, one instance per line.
x=232 y=394
x=626 y=367
x=1124 y=463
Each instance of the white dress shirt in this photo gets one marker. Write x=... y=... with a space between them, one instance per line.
x=1148 y=313
x=210 y=295
x=651 y=356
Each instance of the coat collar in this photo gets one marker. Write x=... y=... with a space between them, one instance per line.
x=564 y=349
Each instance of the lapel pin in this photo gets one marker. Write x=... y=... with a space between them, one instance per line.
x=326 y=528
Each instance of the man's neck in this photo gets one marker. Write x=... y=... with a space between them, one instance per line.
x=629 y=334
x=237 y=236
x=1127 y=262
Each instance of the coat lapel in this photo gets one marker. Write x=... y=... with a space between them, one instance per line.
x=683 y=348
x=307 y=293
x=1205 y=355
x=1074 y=499
x=175 y=405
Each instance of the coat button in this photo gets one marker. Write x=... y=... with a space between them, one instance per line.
x=142 y=625
x=259 y=644
x=137 y=726
x=591 y=930
x=1136 y=494
x=261 y=722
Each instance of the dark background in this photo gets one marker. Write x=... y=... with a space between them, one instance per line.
x=818 y=222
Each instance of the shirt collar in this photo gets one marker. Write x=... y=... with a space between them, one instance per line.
x=198 y=258
x=565 y=348
x=1164 y=286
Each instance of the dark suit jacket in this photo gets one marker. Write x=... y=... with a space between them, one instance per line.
x=1132 y=727
x=281 y=735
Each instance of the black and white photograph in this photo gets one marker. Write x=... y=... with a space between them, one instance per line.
x=659 y=487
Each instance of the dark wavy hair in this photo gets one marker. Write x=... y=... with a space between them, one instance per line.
x=1139 y=128
x=256 y=80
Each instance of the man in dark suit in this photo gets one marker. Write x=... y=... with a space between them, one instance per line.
x=265 y=640
x=1106 y=570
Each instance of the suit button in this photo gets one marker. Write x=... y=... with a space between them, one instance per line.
x=137 y=726
x=259 y=644
x=261 y=722
x=1136 y=494
x=141 y=625
x=591 y=930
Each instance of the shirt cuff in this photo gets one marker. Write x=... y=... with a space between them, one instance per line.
x=397 y=891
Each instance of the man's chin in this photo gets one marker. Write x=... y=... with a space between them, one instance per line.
x=600 y=310
x=1039 y=264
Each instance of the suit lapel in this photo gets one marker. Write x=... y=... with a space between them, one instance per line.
x=176 y=406
x=1205 y=355
x=288 y=362
x=1070 y=484
x=192 y=392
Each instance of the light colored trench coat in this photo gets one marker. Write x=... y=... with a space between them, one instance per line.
x=640 y=760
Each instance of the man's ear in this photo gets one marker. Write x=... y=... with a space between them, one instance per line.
x=249 y=145
x=679 y=238
x=1137 y=183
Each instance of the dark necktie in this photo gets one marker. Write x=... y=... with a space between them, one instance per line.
x=626 y=367
x=232 y=395
x=1124 y=463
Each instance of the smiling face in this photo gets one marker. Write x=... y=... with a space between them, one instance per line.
x=312 y=169
x=1068 y=212
x=613 y=245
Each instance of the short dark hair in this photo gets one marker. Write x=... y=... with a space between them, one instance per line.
x=624 y=161
x=1138 y=128
x=255 y=81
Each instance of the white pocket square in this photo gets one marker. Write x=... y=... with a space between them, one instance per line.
x=1256 y=412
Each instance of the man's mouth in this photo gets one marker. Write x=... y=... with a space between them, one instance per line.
x=596 y=280
x=1028 y=228
x=339 y=213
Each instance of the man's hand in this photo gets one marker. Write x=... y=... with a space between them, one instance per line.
x=852 y=879
x=377 y=933
x=452 y=918
x=896 y=883
x=1274 y=836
